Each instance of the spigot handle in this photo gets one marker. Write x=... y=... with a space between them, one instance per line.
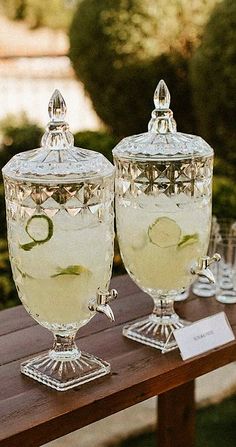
x=202 y=268
x=106 y=297
x=215 y=258
x=205 y=261
x=100 y=304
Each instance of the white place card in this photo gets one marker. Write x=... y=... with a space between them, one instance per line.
x=203 y=335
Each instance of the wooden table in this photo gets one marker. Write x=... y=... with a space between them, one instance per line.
x=32 y=414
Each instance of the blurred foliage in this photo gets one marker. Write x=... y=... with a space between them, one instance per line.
x=14 y=9
x=215 y=427
x=97 y=141
x=129 y=112
x=36 y=13
x=17 y=135
x=213 y=74
x=224 y=197
x=121 y=49
x=8 y=294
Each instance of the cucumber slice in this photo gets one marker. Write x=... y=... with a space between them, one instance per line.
x=188 y=239
x=71 y=270
x=39 y=228
x=164 y=232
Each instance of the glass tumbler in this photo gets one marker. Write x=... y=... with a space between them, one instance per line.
x=226 y=271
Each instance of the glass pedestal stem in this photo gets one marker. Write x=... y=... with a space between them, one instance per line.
x=64 y=347
x=164 y=308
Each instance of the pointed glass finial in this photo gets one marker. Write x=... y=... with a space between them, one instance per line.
x=57 y=107
x=57 y=135
x=162 y=120
x=162 y=96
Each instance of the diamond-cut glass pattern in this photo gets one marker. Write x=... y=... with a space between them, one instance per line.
x=192 y=177
x=85 y=197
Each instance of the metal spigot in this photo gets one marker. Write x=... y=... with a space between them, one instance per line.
x=202 y=268
x=101 y=303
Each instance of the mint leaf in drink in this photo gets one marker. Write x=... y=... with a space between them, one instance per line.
x=71 y=270
x=188 y=239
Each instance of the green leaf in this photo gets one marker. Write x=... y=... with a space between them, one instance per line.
x=71 y=270
x=188 y=239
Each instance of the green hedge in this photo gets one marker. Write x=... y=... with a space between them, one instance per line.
x=53 y=13
x=97 y=141
x=213 y=74
x=121 y=49
x=224 y=197
x=17 y=135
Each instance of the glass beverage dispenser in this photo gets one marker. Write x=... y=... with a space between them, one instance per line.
x=59 y=201
x=163 y=211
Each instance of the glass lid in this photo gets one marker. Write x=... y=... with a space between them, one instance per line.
x=162 y=141
x=57 y=160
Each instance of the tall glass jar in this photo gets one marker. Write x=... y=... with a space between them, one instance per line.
x=163 y=211
x=59 y=202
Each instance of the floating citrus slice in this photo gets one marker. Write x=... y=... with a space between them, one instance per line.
x=39 y=229
x=164 y=232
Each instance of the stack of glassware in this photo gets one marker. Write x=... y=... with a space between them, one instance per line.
x=226 y=270
x=222 y=240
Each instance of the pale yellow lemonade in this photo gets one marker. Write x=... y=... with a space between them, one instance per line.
x=58 y=276
x=162 y=238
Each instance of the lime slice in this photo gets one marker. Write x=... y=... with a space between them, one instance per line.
x=39 y=228
x=188 y=239
x=71 y=270
x=164 y=232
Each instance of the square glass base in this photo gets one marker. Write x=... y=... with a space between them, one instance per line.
x=65 y=374
x=156 y=332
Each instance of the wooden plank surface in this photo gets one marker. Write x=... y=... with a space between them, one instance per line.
x=33 y=414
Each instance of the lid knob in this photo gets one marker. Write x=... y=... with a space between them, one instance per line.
x=162 y=96
x=57 y=107
x=57 y=135
x=162 y=120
